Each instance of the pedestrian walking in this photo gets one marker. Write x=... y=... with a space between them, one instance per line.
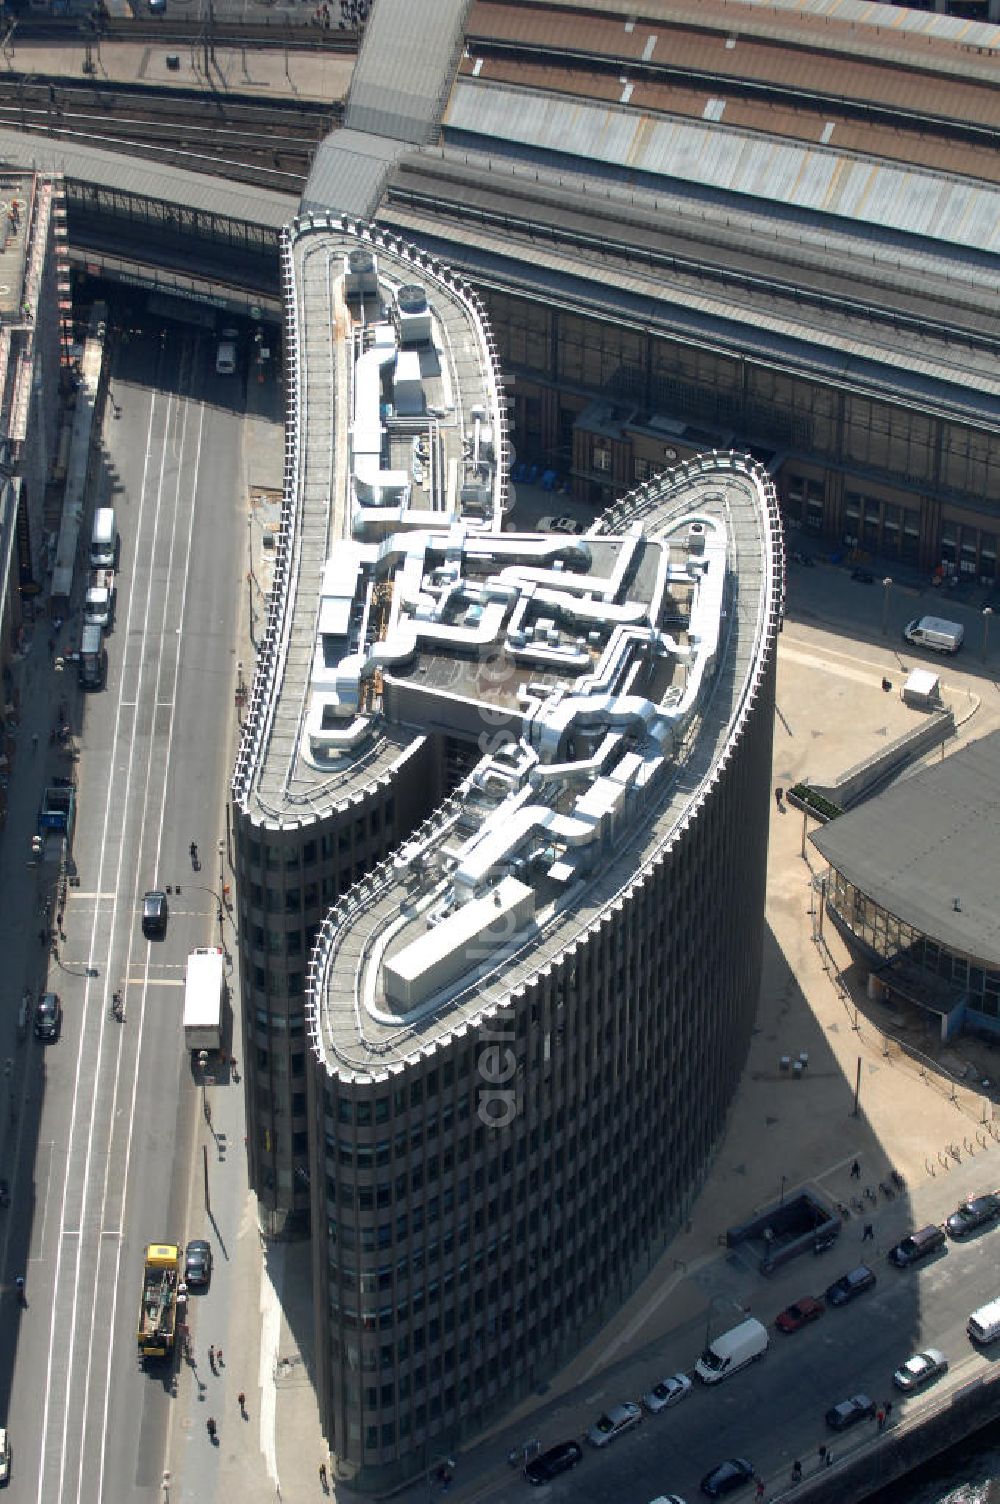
x=34 y=743
x=760 y=1488
x=856 y=1170
x=211 y=1358
x=868 y=1236
x=241 y=1400
x=796 y=1471
x=887 y=1407
x=211 y=1427
x=779 y=794
x=880 y=1418
x=218 y=1357
x=822 y=1456
x=322 y=1476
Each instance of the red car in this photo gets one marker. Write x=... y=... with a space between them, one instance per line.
x=800 y=1314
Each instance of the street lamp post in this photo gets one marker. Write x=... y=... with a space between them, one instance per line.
x=987 y=613
x=886 y=591
x=220 y=910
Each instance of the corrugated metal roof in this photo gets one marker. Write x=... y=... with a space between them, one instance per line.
x=837 y=25
x=901 y=20
x=852 y=73
x=929 y=842
x=404 y=69
x=815 y=178
x=822 y=125
x=849 y=357
x=172 y=185
x=349 y=172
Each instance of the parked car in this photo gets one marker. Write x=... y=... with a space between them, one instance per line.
x=849 y=1412
x=198 y=1262
x=614 y=1423
x=917 y=1246
x=923 y=1368
x=807 y=1308
x=734 y=1473
x=977 y=1211
x=850 y=1285
x=558 y=1459
x=668 y=1499
x=154 y=914
x=559 y=525
x=667 y=1392
x=48 y=1017
x=4 y=1456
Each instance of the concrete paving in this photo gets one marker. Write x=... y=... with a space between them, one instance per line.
x=265 y=74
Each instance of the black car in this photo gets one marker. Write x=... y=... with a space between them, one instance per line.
x=48 y=1016
x=975 y=1212
x=729 y=1475
x=918 y=1245
x=849 y=1412
x=198 y=1263
x=154 y=914
x=849 y=1285
x=558 y=1459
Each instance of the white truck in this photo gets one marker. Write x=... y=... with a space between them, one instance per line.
x=732 y=1351
x=204 y=998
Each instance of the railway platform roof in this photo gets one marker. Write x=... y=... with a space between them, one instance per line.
x=146 y=180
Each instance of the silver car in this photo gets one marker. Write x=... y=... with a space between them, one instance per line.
x=608 y=1427
x=667 y=1392
x=923 y=1368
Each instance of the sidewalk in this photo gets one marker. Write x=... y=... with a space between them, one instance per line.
x=265 y=74
x=32 y=699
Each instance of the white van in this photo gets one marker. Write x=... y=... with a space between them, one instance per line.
x=732 y=1351
x=934 y=632
x=104 y=540
x=225 y=353
x=984 y=1325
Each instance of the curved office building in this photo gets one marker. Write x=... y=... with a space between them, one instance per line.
x=525 y=778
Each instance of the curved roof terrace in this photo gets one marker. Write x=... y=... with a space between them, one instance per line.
x=395 y=422
x=608 y=679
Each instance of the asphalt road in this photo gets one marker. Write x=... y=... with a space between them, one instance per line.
x=107 y=1169
x=773 y=1411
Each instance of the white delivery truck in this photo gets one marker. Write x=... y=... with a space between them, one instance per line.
x=204 y=998
x=732 y=1351
x=936 y=633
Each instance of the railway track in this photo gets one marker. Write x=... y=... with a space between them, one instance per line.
x=271 y=145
